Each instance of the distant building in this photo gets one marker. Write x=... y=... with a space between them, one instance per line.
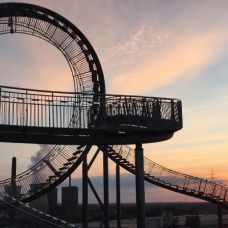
x=70 y=201
x=167 y=218
x=41 y=203
x=52 y=200
x=48 y=202
x=154 y=222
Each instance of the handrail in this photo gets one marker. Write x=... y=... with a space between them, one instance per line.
x=84 y=93
x=43 y=108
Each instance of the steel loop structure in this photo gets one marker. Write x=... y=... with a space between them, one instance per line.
x=58 y=31
x=88 y=116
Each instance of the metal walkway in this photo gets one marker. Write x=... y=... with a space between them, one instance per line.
x=48 y=117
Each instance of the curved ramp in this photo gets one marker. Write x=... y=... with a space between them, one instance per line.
x=169 y=179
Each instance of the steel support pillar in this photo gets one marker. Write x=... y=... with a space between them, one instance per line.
x=140 y=192
x=219 y=214
x=84 y=193
x=106 y=187
x=118 y=220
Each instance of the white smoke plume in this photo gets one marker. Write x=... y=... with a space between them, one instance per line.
x=43 y=151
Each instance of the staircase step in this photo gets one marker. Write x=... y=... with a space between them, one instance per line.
x=126 y=163
x=120 y=159
x=72 y=158
x=52 y=177
x=114 y=155
x=68 y=163
x=174 y=186
x=58 y=173
x=62 y=168
x=80 y=147
x=130 y=164
x=215 y=197
x=77 y=152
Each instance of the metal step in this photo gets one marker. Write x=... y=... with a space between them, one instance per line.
x=115 y=155
x=77 y=152
x=63 y=168
x=80 y=147
x=72 y=158
x=68 y=163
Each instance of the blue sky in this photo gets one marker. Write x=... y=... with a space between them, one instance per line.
x=155 y=48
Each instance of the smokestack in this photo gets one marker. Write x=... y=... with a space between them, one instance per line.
x=13 y=176
x=69 y=180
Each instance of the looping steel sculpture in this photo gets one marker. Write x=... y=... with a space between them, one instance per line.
x=88 y=116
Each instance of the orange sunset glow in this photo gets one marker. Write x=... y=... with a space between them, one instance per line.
x=175 y=49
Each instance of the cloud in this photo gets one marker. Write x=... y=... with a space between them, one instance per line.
x=140 y=42
x=43 y=151
x=184 y=56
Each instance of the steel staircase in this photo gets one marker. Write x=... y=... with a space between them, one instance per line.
x=169 y=179
x=46 y=174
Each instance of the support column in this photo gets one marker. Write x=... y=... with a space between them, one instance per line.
x=118 y=196
x=84 y=193
x=140 y=192
x=219 y=214
x=106 y=187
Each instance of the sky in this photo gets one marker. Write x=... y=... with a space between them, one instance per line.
x=176 y=49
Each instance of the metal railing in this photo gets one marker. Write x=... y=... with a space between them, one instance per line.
x=187 y=184
x=39 y=108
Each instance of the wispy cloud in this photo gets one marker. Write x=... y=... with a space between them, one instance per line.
x=186 y=55
x=140 y=42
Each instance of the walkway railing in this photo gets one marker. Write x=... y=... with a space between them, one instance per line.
x=39 y=108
